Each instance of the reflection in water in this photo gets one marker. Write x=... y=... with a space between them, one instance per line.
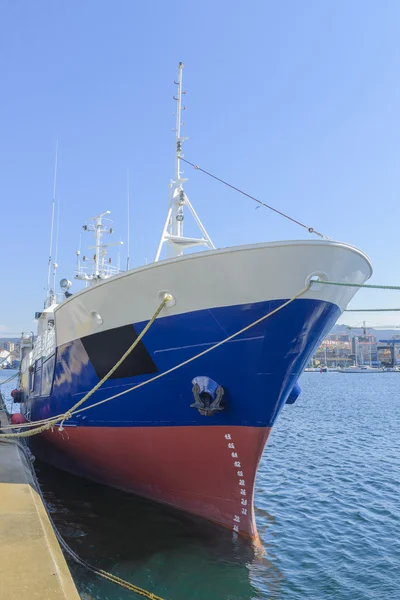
x=329 y=477
x=170 y=553
x=173 y=554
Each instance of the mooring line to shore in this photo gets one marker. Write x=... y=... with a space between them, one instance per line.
x=372 y=310
x=357 y=285
x=89 y=567
x=370 y=286
x=37 y=427
x=51 y=422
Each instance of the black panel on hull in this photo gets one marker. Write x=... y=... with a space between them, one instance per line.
x=106 y=348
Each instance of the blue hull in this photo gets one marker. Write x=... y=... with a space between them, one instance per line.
x=257 y=370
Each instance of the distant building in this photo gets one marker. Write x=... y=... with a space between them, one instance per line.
x=389 y=352
x=15 y=358
x=4 y=357
x=335 y=350
x=385 y=355
x=9 y=346
x=345 y=349
x=364 y=348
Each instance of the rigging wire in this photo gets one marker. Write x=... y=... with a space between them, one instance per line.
x=279 y=212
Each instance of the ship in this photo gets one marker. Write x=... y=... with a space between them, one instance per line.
x=184 y=419
x=361 y=369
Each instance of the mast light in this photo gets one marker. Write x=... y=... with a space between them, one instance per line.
x=65 y=284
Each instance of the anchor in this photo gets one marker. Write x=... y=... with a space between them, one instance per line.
x=207 y=395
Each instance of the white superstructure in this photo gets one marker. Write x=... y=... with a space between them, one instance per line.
x=199 y=281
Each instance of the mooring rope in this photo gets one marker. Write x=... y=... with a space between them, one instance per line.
x=279 y=212
x=99 y=572
x=200 y=354
x=52 y=421
x=362 y=285
x=357 y=285
x=36 y=427
x=167 y=298
x=372 y=310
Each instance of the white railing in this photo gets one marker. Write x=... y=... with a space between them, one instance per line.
x=85 y=272
x=45 y=344
x=54 y=299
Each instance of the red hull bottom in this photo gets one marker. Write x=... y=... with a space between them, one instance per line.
x=206 y=471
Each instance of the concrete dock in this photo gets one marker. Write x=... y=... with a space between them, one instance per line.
x=32 y=565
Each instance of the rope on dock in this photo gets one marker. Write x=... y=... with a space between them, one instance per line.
x=309 y=229
x=104 y=574
x=52 y=421
x=99 y=572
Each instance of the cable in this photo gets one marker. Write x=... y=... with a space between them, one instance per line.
x=52 y=421
x=100 y=572
x=309 y=229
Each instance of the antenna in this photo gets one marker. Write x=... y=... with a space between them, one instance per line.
x=119 y=257
x=55 y=264
x=78 y=255
x=101 y=268
x=50 y=292
x=129 y=223
x=173 y=228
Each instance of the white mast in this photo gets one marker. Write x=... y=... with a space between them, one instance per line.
x=98 y=233
x=129 y=222
x=357 y=348
x=172 y=233
x=101 y=269
x=55 y=264
x=50 y=292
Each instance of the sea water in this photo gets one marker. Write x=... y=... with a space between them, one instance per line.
x=327 y=504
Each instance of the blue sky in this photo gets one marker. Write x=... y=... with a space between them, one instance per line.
x=296 y=102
